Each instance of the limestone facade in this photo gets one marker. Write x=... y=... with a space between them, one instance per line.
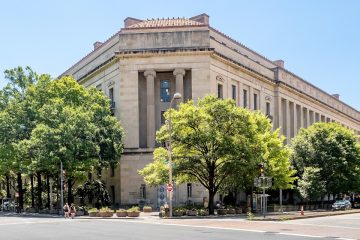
x=146 y=62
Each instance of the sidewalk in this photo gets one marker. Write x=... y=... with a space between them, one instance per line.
x=272 y=216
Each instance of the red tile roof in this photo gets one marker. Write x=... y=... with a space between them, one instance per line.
x=169 y=22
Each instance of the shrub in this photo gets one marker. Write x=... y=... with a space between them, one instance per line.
x=147 y=209
x=134 y=209
x=105 y=209
x=92 y=210
x=250 y=215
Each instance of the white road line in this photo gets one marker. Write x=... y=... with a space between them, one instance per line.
x=28 y=222
x=233 y=229
x=317 y=224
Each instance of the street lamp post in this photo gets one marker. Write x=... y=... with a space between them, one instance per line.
x=176 y=96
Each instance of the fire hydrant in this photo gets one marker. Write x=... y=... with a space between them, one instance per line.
x=302 y=210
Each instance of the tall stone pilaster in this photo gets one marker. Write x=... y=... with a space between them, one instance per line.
x=179 y=74
x=150 y=109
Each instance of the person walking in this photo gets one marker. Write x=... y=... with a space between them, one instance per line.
x=72 y=211
x=66 y=209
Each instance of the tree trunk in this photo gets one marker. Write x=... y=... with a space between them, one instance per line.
x=291 y=197
x=70 y=194
x=32 y=191
x=235 y=196
x=39 y=190
x=20 y=191
x=8 y=195
x=211 y=201
x=252 y=200
x=48 y=191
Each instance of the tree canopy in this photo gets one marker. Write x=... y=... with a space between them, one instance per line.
x=334 y=150
x=214 y=141
x=45 y=121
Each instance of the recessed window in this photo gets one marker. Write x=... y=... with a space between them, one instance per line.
x=99 y=87
x=112 y=170
x=220 y=91
x=268 y=109
x=189 y=190
x=233 y=90
x=165 y=91
x=142 y=191
x=112 y=187
x=255 y=101
x=162 y=118
x=244 y=98
x=111 y=94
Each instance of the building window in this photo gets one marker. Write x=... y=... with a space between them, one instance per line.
x=189 y=190
x=112 y=170
x=111 y=94
x=255 y=101
x=165 y=91
x=244 y=98
x=268 y=109
x=233 y=89
x=111 y=97
x=112 y=187
x=142 y=191
x=220 y=91
x=99 y=87
x=162 y=118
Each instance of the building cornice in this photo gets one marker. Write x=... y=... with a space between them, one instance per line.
x=220 y=57
x=168 y=52
x=261 y=77
x=313 y=99
x=101 y=67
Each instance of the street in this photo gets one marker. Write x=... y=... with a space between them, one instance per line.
x=336 y=227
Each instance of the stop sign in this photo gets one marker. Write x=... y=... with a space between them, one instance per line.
x=169 y=187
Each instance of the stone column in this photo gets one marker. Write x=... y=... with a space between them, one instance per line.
x=295 y=119
x=288 y=121
x=150 y=110
x=179 y=74
x=251 y=98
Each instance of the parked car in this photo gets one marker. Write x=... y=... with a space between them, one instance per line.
x=341 y=205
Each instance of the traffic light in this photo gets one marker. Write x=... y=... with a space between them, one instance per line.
x=261 y=169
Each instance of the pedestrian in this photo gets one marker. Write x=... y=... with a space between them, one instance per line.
x=72 y=211
x=66 y=210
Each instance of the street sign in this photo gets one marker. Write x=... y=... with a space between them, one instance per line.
x=169 y=187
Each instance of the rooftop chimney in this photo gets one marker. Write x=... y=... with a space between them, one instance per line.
x=336 y=95
x=97 y=45
x=131 y=21
x=279 y=63
x=202 y=18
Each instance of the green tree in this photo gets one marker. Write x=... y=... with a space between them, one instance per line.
x=311 y=187
x=212 y=142
x=16 y=122
x=75 y=126
x=333 y=149
x=44 y=121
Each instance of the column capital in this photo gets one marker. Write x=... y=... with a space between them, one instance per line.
x=179 y=71
x=150 y=72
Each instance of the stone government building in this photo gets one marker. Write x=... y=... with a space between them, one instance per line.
x=141 y=66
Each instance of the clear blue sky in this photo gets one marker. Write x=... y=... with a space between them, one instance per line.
x=319 y=40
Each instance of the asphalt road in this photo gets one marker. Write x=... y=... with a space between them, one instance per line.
x=209 y=229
